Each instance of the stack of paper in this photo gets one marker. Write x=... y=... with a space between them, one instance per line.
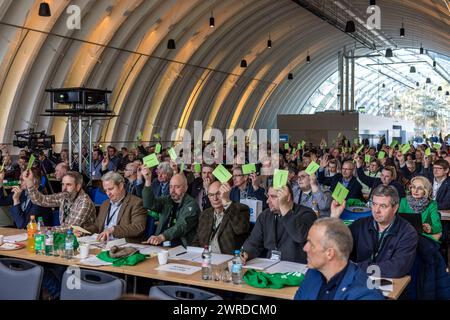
x=15 y=238
x=259 y=264
x=194 y=254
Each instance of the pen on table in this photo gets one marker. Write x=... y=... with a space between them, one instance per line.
x=179 y=254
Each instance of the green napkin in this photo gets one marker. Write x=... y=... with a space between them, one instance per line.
x=273 y=281
x=118 y=262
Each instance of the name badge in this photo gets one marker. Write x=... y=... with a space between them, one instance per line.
x=276 y=255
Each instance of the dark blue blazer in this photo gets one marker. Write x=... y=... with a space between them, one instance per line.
x=396 y=256
x=354 y=187
x=20 y=217
x=443 y=194
x=353 y=286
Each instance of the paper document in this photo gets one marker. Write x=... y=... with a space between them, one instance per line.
x=15 y=238
x=179 y=268
x=94 y=261
x=118 y=243
x=77 y=228
x=177 y=251
x=89 y=239
x=188 y=254
x=259 y=264
x=145 y=249
x=287 y=266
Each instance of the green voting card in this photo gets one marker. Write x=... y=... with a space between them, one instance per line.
x=312 y=168
x=367 y=158
x=340 y=193
x=359 y=149
x=157 y=136
x=381 y=155
x=31 y=161
x=393 y=144
x=280 y=178
x=151 y=160
x=437 y=146
x=222 y=174
x=182 y=167
x=286 y=146
x=356 y=141
x=248 y=168
x=428 y=152
x=197 y=167
x=173 y=154
x=405 y=148
x=139 y=136
x=158 y=148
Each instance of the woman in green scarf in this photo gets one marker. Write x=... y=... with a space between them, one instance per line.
x=419 y=201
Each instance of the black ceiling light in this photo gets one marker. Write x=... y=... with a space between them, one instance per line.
x=417 y=84
x=243 y=63
x=290 y=76
x=44 y=10
x=402 y=31
x=350 y=26
x=412 y=69
x=439 y=88
x=171 y=44
x=383 y=85
x=211 y=21
x=434 y=64
x=428 y=80
x=421 y=49
x=269 y=42
x=447 y=93
x=308 y=58
x=389 y=53
x=372 y=3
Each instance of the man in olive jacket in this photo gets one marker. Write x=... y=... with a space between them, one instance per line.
x=225 y=225
x=122 y=215
x=178 y=212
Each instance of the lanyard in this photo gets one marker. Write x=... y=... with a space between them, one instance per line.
x=111 y=216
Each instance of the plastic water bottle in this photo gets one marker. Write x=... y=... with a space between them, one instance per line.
x=236 y=268
x=31 y=231
x=68 y=247
x=49 y=242
x=39 y=237
x=206 y=264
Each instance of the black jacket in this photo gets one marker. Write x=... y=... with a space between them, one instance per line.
x=354 y=187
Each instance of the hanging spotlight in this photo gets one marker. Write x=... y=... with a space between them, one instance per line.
x=417 y=84
x=383 y=85
x=308 y=58
x=389 y=53
x=171 y=44
x=412 y=69
x=350 y=26
x=211 y=21
x=269 y=43
x=243 y=63
x=421 y=49
x=447 y=93
x=290 y=76
x=434 y=64
x=428 y=80
x=372 y=3
x=439 y=88
x=402 y=31
x=44 y=10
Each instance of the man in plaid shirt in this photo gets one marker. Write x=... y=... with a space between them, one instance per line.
x=75 y=206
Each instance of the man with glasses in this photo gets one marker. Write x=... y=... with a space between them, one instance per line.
x=384 y=240
x=438 y=175
x=198 y=188
x=312 y=196
x=225 y=225
x=245 y=189
x=388 y=178
x=131 y=186
x=346 y=178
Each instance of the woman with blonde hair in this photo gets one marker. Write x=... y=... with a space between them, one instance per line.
x=420 y=201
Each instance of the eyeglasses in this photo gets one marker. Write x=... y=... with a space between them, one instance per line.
x=212 y=195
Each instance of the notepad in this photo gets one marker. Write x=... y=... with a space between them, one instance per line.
x=260 y=263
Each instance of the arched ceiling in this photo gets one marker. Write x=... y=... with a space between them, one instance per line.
x=158 y=90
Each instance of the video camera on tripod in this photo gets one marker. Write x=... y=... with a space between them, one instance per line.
x=35 y=141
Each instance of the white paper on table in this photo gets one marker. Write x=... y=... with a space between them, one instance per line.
x=92 y=239
x=15 y=238
x=179 y=268
x=287 y=266
x=216 y=258
x=177 y=251
x=259 y=263
x=117 y=242
x=94 y=261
